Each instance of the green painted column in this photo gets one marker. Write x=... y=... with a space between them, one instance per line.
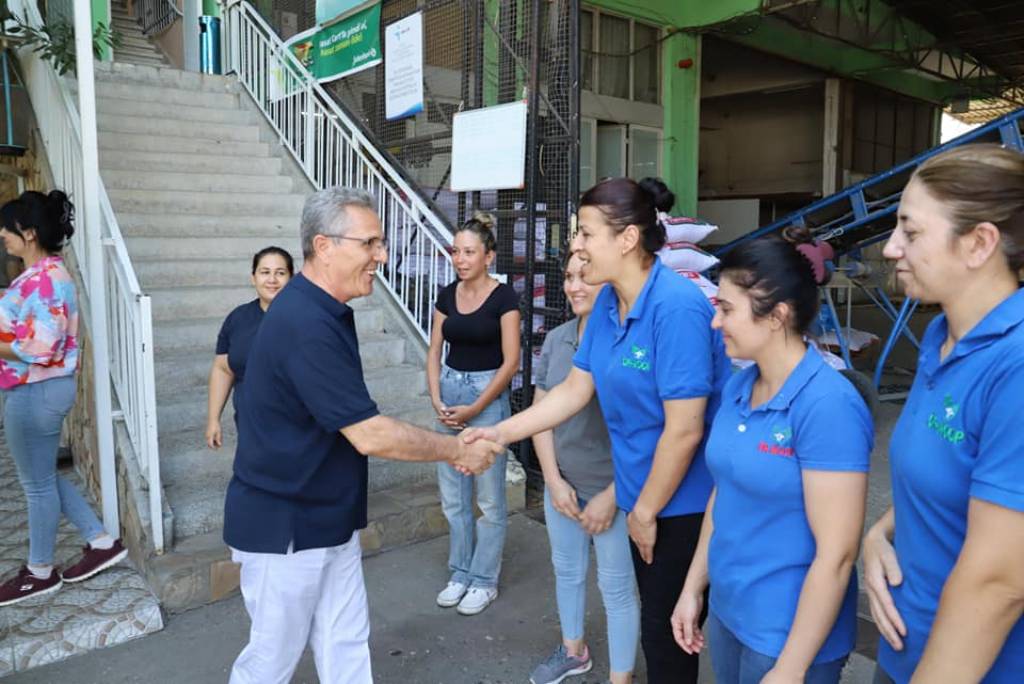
x=681 y=67
x=211 y=8
x=101 y=15
x=491 y=10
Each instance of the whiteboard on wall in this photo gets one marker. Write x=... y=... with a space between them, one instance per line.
x=489 y=148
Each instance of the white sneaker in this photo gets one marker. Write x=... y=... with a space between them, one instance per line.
x=451 y=595
x=476 y=599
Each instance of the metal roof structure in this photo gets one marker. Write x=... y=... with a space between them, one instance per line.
x=990 y=32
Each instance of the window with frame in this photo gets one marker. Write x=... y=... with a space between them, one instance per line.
x=620 y=57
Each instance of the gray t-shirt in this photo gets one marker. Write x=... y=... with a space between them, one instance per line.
x=582 y=447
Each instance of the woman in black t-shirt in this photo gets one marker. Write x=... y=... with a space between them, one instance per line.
x=272 y=268
x=478 y=318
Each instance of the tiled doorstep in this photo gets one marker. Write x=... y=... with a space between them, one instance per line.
x=111 y=608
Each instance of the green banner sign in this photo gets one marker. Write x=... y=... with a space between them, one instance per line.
x=350 y=45
x=341 y=49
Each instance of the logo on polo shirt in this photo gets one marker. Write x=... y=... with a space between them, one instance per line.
x=780 y=443
x=638 y=358
x=940 y=423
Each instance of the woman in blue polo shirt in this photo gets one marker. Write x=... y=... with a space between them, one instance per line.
x=657 y=367
x=944 y=567
x=272 y=268
x=789 y=451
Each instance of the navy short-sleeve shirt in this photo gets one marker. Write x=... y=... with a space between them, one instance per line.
x=235 y=339
x=297 y=480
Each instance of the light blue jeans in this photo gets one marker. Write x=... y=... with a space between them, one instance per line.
x=735 y=663
x=474 y=562
x=570 y=556
x=33 y=416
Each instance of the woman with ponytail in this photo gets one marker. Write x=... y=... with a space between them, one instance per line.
x=478 y=318
x=657 y=368
x=789 y=451
x=38 y=361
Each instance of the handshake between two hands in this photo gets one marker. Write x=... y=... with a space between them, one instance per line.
x=477 y=449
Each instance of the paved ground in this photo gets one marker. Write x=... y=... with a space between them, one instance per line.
x=413 y=641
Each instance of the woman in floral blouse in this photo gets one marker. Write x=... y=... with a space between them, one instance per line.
x=38 y=360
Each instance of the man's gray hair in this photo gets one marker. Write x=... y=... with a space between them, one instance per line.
x=325 y=213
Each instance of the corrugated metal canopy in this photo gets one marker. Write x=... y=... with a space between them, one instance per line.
x=990 y=31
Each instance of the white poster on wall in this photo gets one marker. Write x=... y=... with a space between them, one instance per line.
x=489 y=148
x=403 y=67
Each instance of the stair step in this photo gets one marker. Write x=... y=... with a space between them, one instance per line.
x=106 y=106
x=107 y=72
x=390 y=386
x=141 y=61
x=217 y=301
x=115 y=160
x=135 y=42
x=196 y=182
x=185 y=372
x=212 y=247
x=158 y=126
x=181 y=202
x=126 y=93
x=271 y=228
x=220 y=272
x=378 y=349
x=141 y=142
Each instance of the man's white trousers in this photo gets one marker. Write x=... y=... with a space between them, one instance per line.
x=315 y=596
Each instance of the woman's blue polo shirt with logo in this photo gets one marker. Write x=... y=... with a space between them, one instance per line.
x=762 y=545
x=297 y=480
x=665 y=349
x=959 y=437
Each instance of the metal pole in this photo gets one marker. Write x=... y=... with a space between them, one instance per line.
x=90 y=204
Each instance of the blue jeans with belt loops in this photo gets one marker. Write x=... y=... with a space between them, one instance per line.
x=33 y=416
x=474 y=554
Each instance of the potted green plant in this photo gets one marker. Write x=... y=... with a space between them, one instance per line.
x=54 y=40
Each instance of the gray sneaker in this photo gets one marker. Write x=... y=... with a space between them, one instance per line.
x=560 y=665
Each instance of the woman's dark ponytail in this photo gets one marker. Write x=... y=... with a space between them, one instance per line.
x=63 y=212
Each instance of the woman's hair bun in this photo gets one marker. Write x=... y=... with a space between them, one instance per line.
x=814 y=252
x=664 y=199
x=797 y=235
x=63 y=212
x=485 y=218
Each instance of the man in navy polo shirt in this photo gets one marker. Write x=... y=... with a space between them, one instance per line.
x=298 y=496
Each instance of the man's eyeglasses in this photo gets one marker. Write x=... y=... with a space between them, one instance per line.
x=374 y=244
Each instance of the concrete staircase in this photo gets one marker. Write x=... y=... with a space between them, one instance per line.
x=135 y=47
x=198 y=184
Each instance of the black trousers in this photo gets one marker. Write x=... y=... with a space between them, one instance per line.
x=659 y=584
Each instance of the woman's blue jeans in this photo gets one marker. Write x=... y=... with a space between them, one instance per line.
x=734 y=663
x=570 y=556
x=474 y=562
x=33 y=416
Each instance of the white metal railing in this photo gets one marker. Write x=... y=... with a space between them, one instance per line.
x=332 y=150
x=156 y=16
x=129 y=319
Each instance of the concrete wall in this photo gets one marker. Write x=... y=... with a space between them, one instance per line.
x=755 y=145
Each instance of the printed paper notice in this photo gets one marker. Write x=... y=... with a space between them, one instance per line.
x=403 y=67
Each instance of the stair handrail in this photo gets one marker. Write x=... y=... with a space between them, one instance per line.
x=129 y=310
x=156 y=16
x=332 y=150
